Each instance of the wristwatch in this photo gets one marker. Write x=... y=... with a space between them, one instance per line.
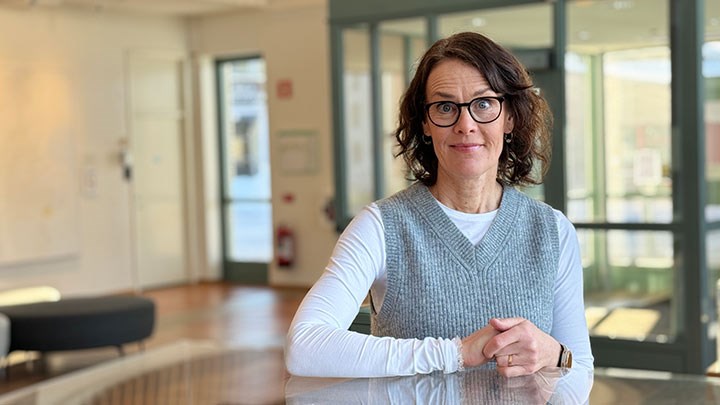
x=565 y=360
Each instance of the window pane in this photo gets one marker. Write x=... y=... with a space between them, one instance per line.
x=637 y=135
x=581 y=186
x=402 y=43
x=629 y=279
x=245 y=129
x=712 y=246
x=618 y=112
x=711 y=72
x=358 y=119
x=249 y=231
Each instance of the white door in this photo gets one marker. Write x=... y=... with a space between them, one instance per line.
x=157 y=126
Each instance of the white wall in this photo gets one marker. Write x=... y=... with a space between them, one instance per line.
x=88 y=49
x=294 y=43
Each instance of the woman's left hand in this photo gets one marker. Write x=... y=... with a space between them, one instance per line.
x=521 y=348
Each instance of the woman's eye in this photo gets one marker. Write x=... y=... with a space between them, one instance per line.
x=482 y=104
x=445 y=108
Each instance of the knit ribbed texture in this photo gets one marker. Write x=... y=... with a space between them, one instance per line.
x=440 y=285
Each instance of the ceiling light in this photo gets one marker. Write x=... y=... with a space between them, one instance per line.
x=623 y=4
x=583 y=35
x=478 y=22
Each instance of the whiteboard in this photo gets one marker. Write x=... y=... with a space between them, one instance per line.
x=39 y=199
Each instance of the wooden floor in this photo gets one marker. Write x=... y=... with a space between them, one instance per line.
x=227 y=313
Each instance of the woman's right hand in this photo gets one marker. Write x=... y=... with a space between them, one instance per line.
x=472 y=346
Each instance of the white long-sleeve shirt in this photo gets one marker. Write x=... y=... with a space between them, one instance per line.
x=319 y=344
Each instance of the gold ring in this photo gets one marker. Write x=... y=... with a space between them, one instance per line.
x=510 y=360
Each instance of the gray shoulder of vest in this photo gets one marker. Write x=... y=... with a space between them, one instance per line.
x=540 y=207
x=542 y=215
x=402 y=197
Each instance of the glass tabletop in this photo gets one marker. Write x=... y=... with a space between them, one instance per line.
x=200 y=372
x=475 y=386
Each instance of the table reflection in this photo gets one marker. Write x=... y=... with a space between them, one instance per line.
x=475 y=386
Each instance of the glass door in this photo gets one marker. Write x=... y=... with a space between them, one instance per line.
x=635 y=165
x=245 y=157
x=620 y=166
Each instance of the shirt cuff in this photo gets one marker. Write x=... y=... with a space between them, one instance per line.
x=458 y=363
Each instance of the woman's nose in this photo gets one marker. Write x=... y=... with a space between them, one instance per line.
x=465 y=122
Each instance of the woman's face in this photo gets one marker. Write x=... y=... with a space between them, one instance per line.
x=466 y=150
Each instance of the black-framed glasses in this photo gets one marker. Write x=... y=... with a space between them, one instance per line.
x=483 y=110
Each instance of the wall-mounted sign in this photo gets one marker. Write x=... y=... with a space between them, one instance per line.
x=284 y=88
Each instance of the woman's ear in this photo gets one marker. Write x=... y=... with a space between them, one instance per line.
x=426 y=128
x=509 y=124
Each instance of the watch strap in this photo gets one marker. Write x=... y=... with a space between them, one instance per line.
x=565 y=359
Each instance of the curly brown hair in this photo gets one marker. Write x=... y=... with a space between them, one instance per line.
x=506 y=76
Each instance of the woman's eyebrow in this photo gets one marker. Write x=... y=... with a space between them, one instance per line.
x=442 y=94
x=482 y=92
x=452 y=96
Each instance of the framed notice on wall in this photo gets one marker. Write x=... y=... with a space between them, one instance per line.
x=297 y=151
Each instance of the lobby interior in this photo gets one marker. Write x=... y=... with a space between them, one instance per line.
x=162 y=148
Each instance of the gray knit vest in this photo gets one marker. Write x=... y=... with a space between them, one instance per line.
x=441 y=285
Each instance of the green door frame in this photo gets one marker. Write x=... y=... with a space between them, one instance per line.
x=689 y=191
x=233 y=271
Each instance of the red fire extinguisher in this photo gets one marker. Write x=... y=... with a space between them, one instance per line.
x=285 y=248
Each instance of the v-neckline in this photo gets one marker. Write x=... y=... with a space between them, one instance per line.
x=472 y=257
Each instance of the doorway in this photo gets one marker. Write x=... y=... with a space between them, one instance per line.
x=245 y=169
x=157 y=122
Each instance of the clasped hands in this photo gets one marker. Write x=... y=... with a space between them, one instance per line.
x=515 y=344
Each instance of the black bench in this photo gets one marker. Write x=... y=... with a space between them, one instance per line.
x=361 y=323
x=80 y=323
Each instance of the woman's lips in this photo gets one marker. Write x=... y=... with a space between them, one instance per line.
x=466 y=146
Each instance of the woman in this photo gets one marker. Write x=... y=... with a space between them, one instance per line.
x=462 y=269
